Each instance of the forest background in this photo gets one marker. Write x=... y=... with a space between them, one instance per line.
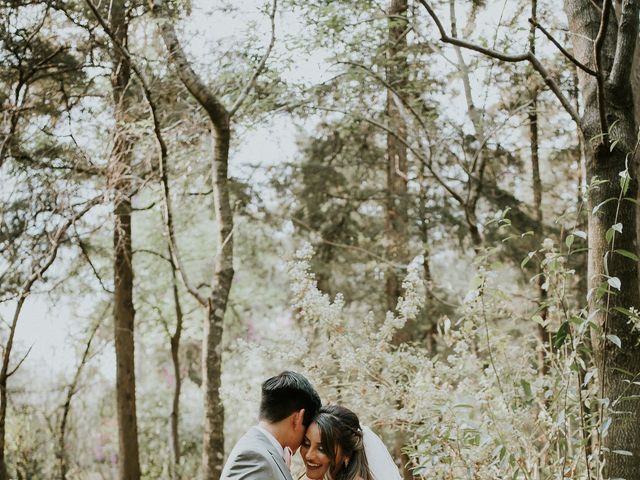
x=427 y=207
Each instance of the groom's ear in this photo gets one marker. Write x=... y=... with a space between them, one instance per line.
x=300 y=418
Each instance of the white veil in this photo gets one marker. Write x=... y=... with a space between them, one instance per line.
x=381 y=465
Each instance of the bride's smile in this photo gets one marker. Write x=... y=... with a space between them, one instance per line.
x=316 y=461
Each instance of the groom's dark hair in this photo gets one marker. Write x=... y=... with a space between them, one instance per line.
x=287 y=393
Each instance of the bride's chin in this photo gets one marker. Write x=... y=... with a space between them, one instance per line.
x=312 y=474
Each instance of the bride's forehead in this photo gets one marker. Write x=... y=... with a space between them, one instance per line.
x=313 y=432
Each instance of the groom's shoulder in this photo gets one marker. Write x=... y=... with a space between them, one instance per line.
x=252 y=440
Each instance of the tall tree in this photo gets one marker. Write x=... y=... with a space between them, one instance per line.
x=532 y=114
x=120 y=179
x=215 y=303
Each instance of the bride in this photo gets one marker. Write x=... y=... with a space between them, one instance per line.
x=336 y=447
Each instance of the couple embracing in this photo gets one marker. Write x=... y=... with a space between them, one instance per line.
x=333 y=445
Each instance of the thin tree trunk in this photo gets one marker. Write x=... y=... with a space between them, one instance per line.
x=430 y=329
x=543 y=334
x=213 y=446
x=477 y=169
x=4 y=376
x=222 y=279
x=216 y=302
x=66 y=407
x=618 y=367
x=396 y=198
x=124 y=313
x=175 y=359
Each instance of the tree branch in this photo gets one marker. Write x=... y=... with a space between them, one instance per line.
x=528 y=56
x=563 y=50
x=600 y=75
x=388 y=86
x=402 y=140
x=252 y=81
x=625 y=45
x=471 y=46
x=24 y=357
x=214 y=108
x=85 y=254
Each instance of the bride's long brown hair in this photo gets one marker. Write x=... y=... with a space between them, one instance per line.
x=340 y=429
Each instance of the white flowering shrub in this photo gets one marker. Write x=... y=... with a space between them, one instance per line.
x=478 y=406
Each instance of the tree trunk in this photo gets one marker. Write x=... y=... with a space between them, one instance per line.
x=175 y=359
x=605 y=160
x=216 y=302
x=4 y=376
x=213 y=445
x=124 y=313
x=396 y=198
x=543 y=335
x=66 y=407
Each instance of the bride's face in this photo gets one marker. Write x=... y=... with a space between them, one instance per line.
x=316 y=460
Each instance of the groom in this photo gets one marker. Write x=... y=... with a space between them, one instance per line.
x=288 y=405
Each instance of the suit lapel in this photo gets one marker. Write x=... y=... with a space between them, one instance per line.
x=281 y=465
x=284 y=470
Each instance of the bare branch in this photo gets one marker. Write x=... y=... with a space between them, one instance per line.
x=86 y=256
x=415 y=151
x=24 y=357
x=528 y=56
x=563 y=50
x=252 y=81
x=309 y=228
x=152 y=252
x=387 y=85
x=553 y=86
x=471 y=46
x=38 y=270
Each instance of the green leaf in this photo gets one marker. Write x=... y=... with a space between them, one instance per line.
x=623 y=452
x=627 y=253
x=627 y=312
x=624 y=184
x=588 y=377
x=614 y=282
x=605 y=425
x=561 y=335
x=609 y=235
x=602 y=204
x=569 y=241
x=615 y=340
x=526 y=386
x=526 y=259
x=622 y=370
